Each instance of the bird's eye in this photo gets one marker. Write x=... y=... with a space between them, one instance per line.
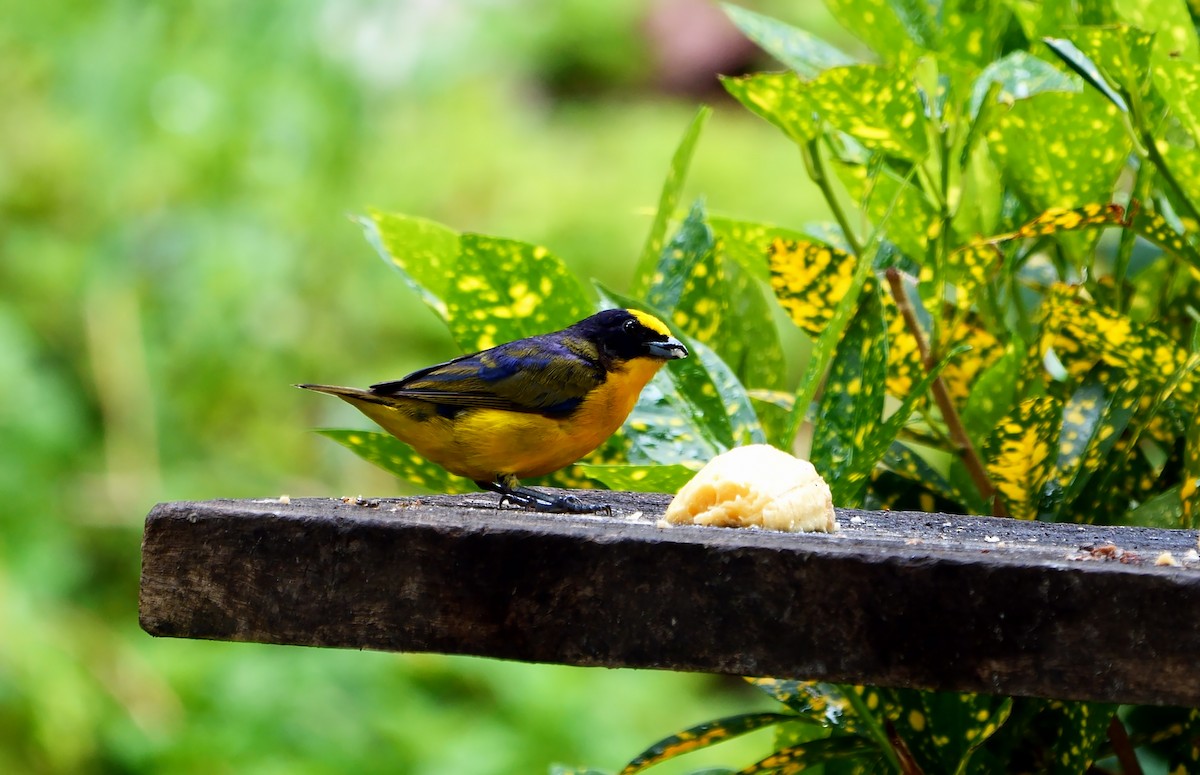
x=629 y=325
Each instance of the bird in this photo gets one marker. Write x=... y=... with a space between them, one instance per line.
x=525 y=408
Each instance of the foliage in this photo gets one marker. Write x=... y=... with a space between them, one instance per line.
x=1004 y=313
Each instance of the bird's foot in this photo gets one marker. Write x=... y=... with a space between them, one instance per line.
x=531 y=499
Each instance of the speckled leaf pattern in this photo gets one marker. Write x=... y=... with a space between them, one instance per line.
x=779 y=98
x=1020 y=75
x=1083 y=727
x=942 y=729
x=809 y=279
x=1093 y=420
x=800 y=758
x=632 y=478
x=1189 y=491
x=702 y=736
x=813 y=701
x=1120 y=53
x=877 y=106
x=1179 y=84
x=749 y=243
x=881 y=437
x=1083 y=331
x=798 y=49
x=1060 y=149
x=901 y=459
x=1019 y=454
x=668 y=200
x=711 y=298
x=504 y=290
x=850 y=410
x=875 y=23
x=396 y=457
x=883 y=194
x=1169 y=21
x=424 y=252
x=1155 y=228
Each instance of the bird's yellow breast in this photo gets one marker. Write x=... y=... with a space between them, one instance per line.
x=481 y=443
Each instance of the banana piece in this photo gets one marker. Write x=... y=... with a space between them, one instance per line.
x=756 y=486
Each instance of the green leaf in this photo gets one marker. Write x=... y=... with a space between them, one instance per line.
x=1179 y=84
x=943 y=729
x=1060 y=149
x=1082 y=729
x=901 y=459
x=1165 y=510
x=1020 y=76
x=710 y=298
x=1189 y=491
x=881 y=192
x=396 y=457
x=802 y=51
x=1094 y=418
x=881 y=439
x=749 y=243
x=1084 y=67
x=798 y=758
x=702 y=736
x=1171 y=24
x=810 y=279
x=850 y=410
x=876 y=106
x=1122 y=56
x=424 y=252
x=505 y=290
x=780 y=99
x=992 y=394
x=634 y=478
x=668 y=201
x=814 y=702
x=876 y=24
x=1018 y=454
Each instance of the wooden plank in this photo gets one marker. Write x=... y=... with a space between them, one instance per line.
x=894 y=599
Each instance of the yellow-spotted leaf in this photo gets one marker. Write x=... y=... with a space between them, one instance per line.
x=396 y=457
x=877 y=106
x=749 y=243
x=800 y=50
x=1154 y=227
x=809 y=279
x=713 y=299
x=1179 y=84
x=813 y=702
x=800 y=758
x=1170 y=21
x=943 y=729
x=1020 y=75
x=1094 y=418
x=916 y=471
x=1172 y=733
x=1083 y=726
x=504 y=290
x=876 y=23
x=1121 y=53
x=1019 y=454
x=1145 y=354
x=885 y=195
x=850 y=411
x=1060 y=149
x=1189 y=491
x=425 y=253
x=779 y=98
x=702 y=736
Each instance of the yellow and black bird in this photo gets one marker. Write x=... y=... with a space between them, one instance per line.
x=525 y=408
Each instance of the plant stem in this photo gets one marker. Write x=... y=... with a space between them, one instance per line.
x=815 y=166
x=958 y=433
x=1119 y=737
x=876 y=732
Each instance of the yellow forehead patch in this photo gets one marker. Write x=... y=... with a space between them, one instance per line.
x=650 y=322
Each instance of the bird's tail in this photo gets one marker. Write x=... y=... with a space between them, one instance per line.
x=352 y=395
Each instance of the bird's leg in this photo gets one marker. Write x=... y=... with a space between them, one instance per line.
x=511 y=491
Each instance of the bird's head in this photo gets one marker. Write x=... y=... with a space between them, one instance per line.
x=625 y=334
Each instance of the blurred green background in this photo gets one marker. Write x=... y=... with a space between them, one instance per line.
x=175 y=253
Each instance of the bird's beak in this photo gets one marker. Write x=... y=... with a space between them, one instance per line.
x=669 y=350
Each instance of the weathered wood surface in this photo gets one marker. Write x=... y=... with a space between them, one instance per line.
x=895 y=599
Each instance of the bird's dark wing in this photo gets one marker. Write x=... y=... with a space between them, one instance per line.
x=545 y=375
